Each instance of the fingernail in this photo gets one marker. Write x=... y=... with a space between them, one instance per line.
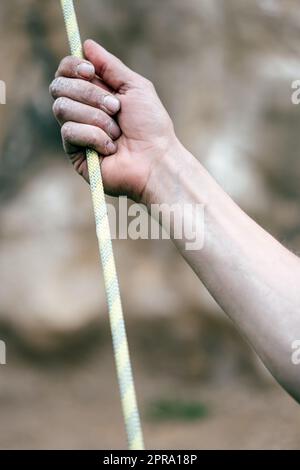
x=111 y=103
x=86 y=70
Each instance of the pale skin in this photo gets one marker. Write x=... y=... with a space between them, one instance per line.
x=102 y=104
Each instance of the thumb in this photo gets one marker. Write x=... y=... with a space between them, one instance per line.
x=108 y=67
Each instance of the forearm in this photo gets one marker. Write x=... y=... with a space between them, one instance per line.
x=252 y=276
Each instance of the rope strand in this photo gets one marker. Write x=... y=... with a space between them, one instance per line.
x=120 y=345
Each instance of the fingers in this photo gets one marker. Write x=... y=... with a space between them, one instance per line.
x=108 y=67
x=83 y=106
x=84 y=92
x=66 y=110
x=76 y=136
x=74 y=67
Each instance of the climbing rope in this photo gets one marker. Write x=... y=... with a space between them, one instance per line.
x=120 y=345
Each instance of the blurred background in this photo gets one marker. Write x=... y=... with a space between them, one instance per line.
x=224 y=71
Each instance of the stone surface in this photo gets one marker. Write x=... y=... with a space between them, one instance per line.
x=224 y=71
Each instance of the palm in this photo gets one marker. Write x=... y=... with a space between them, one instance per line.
x=142 y=120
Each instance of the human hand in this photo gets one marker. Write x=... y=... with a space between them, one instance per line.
x=88 y=96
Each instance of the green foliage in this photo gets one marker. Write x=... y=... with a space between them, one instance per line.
x=168 y=409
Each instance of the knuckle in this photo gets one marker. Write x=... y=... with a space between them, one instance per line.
x=107 y=124
x=52 y=88
x=90 y=93
x=56 y=86
x=94 y=137
x=66 y=61
x=66 y=66
x=59 y=107
x=99 y=140
x=99 y=120
x=66 y=131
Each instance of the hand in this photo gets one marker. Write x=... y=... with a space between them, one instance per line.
x=88 y=95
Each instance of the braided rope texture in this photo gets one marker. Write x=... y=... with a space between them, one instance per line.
x=120 y=345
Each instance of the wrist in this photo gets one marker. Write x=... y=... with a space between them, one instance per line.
x=165 y=182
